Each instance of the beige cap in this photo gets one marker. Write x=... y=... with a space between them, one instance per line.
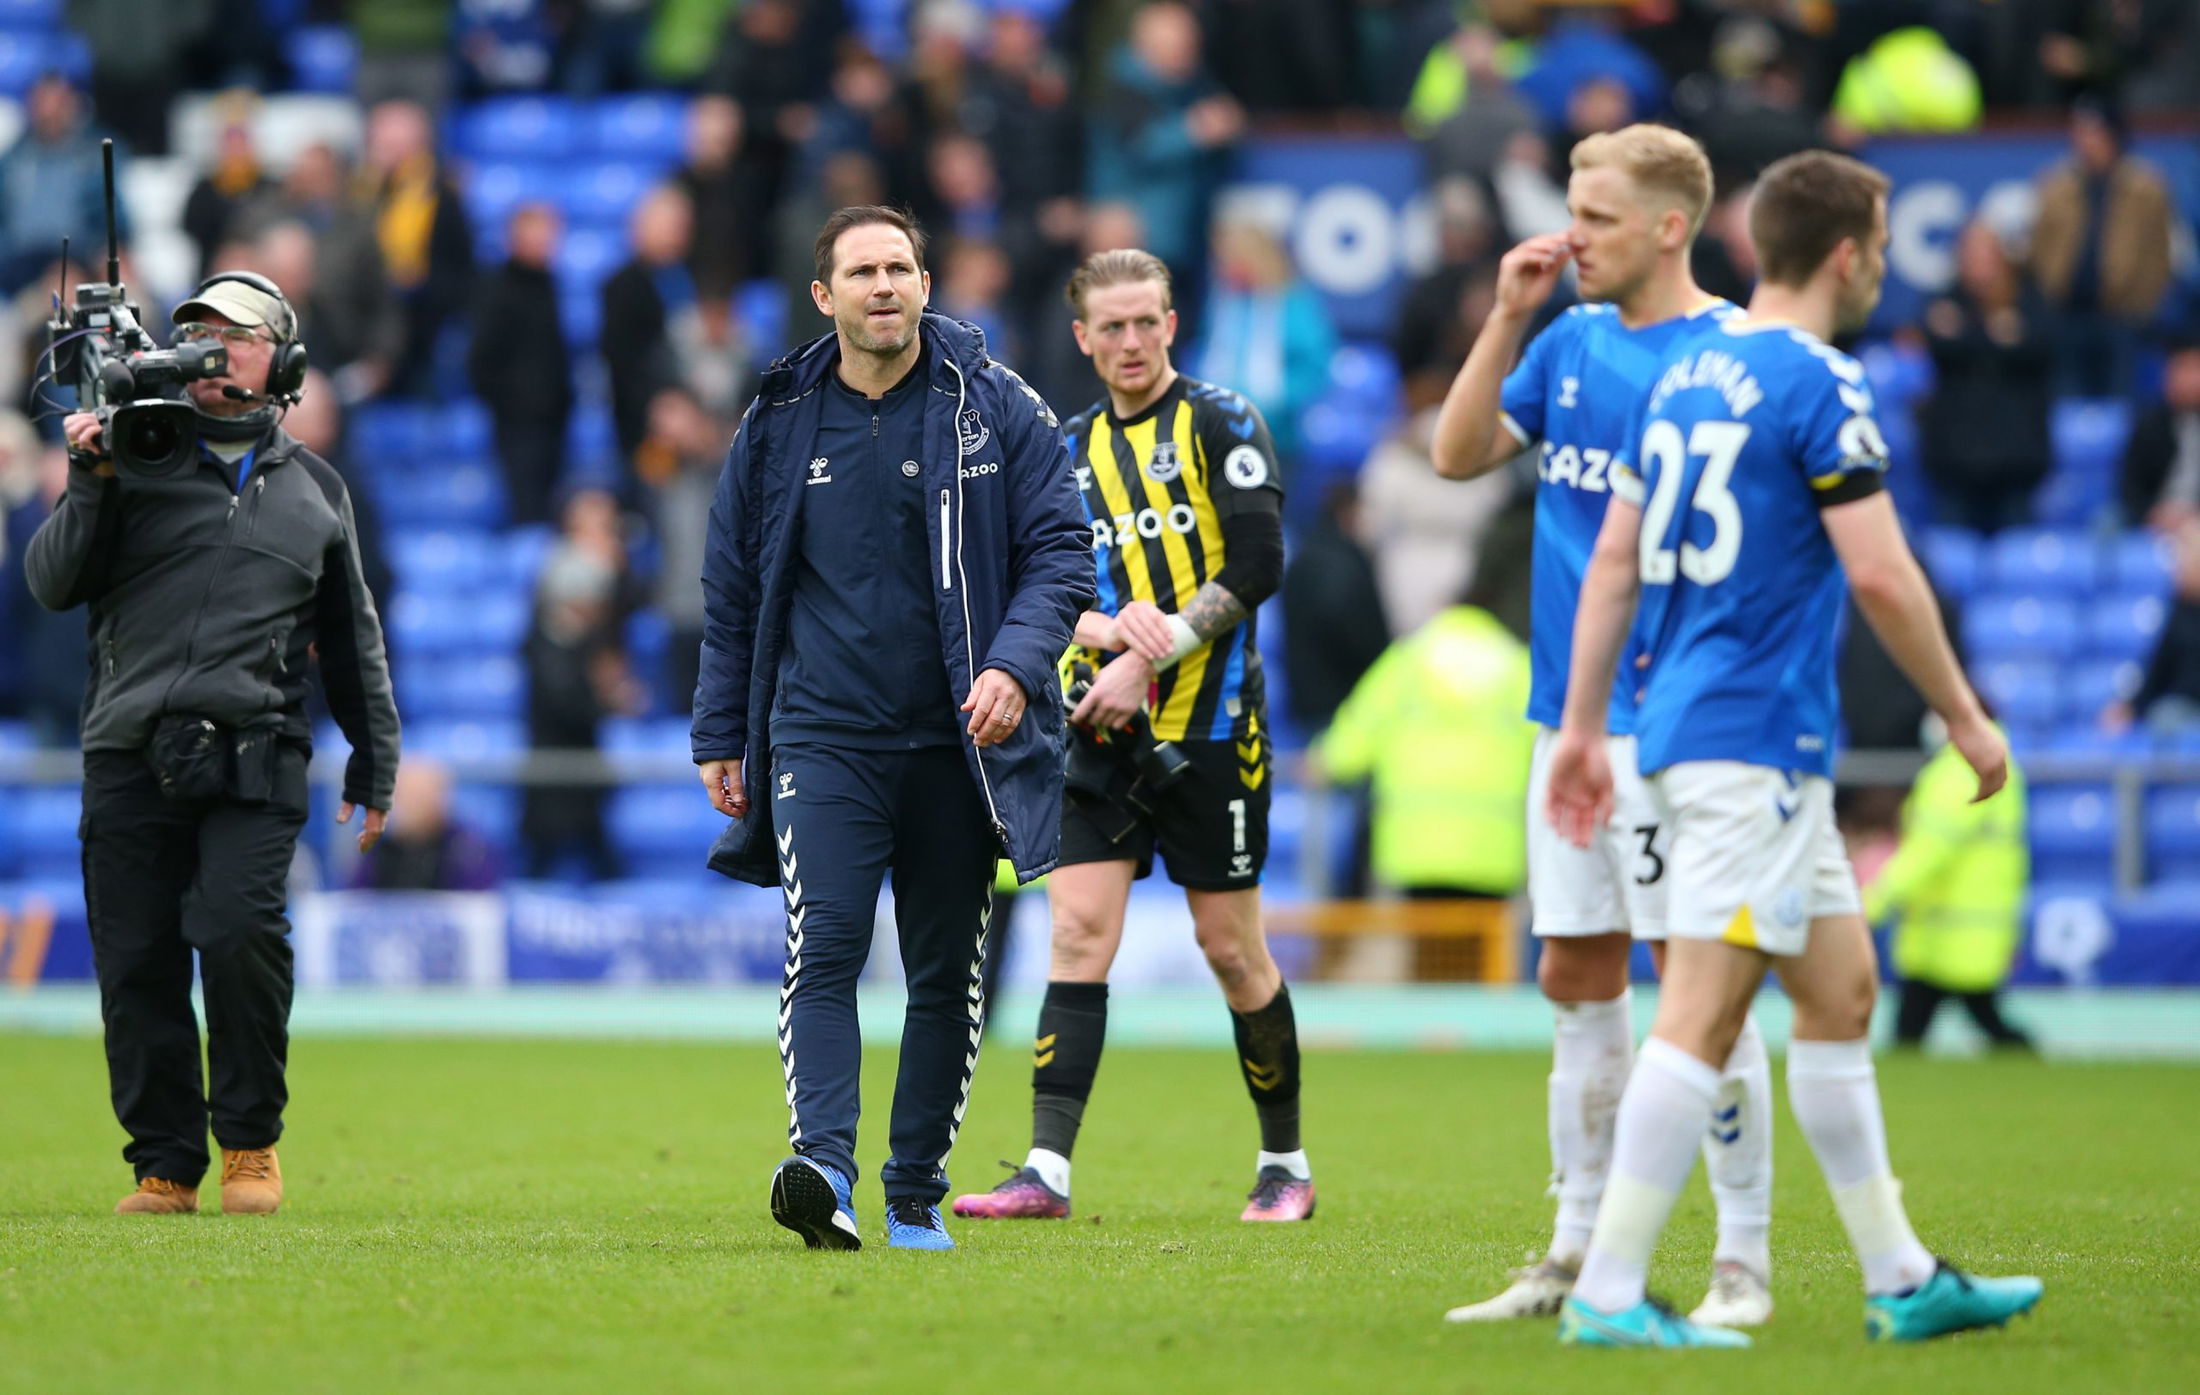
x=240 y=303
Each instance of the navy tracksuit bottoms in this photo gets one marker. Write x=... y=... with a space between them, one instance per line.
x=844 y=819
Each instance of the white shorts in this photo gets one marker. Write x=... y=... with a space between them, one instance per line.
x=1618 y=883
x=1756 y=857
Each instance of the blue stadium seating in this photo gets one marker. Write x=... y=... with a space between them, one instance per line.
x=2043 y=561
x=523 y=553
x=2073 y=833
x=2024 y=692
x=42 y=839
x=2139 y=564
x=760 y=307
x=16 y=738
x=650 y=128
x=658 y=829
x=34 y=16
x=2125 y=627
x=381 y=431
x=580 y=314
x=494 y=188
x=455 y=496
x=603 y=195
x=2086 y=688
x=587 y=257
x=2173 y=832
x=2002 y=626
x=2089 y=435
x=23 y=57
x=466 y=689
x=518 y=128
x=446 y=564
x=652 y=736
x=1954 y=557
x=465 y=433
x=323 y=58
x=423 y=625
x=466 y=740
x=492 y=811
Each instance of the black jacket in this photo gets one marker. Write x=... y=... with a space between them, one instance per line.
x=206 y=600
x=519 y=362
x=2149 y=456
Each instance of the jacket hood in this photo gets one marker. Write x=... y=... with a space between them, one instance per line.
x=804 y=369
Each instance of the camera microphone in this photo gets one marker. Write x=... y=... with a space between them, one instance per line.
x=239 y=394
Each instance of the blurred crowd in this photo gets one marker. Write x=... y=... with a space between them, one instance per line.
x=1026 y=134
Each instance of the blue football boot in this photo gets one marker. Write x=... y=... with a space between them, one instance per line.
x=916 y=1225
x=813 y=1200
x=1950 y=1301
x=1647 y=1324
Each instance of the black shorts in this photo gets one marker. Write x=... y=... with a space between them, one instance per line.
x=1211 y=826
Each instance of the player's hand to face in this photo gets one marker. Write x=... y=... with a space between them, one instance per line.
x=996 y=706
x=1984 y=751
x=1144 y=627
x=1580 y=798
x=1528 y=273
x=1117 y=692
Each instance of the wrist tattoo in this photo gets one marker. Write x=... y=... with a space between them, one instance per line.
x=1213 y=611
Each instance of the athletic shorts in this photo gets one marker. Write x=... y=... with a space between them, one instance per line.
x=1618 y=882
x=1756 y=857
x=1211 y=826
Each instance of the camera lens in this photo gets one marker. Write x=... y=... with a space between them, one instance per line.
x=154 y=438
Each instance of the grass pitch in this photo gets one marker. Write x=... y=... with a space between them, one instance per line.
x=589 y=1217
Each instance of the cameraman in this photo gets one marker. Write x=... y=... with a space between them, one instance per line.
x=210 y=590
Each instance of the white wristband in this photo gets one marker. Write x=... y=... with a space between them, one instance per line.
x=1187 y=640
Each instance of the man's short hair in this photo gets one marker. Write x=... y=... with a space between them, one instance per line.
x=1659 y=159
x=1118 y=266
x=860 y=216
x=1802 y=208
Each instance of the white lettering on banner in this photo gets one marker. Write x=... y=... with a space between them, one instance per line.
x=399 y=938
x=1348 y=239
x=1146 y=523
x=2070 y=934
x=1924 y=217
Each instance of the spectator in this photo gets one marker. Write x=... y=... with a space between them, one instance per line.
x=1908 y=80
x=2092 y=48
x=2101 y=251
x=1019 y=104
x=1724 y=260
x=426 y=243
x=1984 y=427
x=851 y=179
x=237 y=180
x=1434 y=329
x=863 y=111
x=577 y=675
x=50 y=184
x=1881 y=708
x=639 y=301
x=1425 y=531
x=48 y=646
x=426 y=850
x=973 y=287
x=338 y=283
x=138 y=49
x=1267 y=333
x=777 y=72
x=679 y=461
x=317 y=421
x=605 y=45
x=726 y=188
x=504 y=46
x=2161 y=484
x=1055 y=367
x=1437 y=725
x=1465 y=107
x=1584 y=74
x=520 y=366
x=1750 y=107
x=2168 y=699
x=404 y=51
x=1958 y=883
x=1333 y=625
x=1287 y=55
x=1159 y=131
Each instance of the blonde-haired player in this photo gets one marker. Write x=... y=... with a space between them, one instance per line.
x=1638 y=197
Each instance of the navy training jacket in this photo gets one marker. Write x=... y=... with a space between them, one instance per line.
x=1011 y=562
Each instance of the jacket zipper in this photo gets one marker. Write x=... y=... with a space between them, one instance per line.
x=252 y=515
x=191 y=636
x=970 y=649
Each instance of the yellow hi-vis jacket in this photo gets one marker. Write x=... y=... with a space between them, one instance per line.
x=1437 y=723
x=1958 y=879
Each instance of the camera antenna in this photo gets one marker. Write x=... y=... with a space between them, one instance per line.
x=61 y=296
x=114 y=257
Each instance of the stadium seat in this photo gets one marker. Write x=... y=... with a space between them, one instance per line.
x=518 y=128
x=492 y=811
x=44 y=836
x=2004 y=626
x=586 y=259
x=22 y=59
x=2089 y=434
x=580 y=314
x=1368 y=373
x=2069 y=499
x=661 y=828
x=647 y=736
x=456 y=496
x=522 y=556
x=494 y=188
x=466 y=431
x=2125 y=627
x=2088 y=687
x=603 y=196
x=2139 y=563
x=323 y=58
x=2086 y=741
x=33 y=16
x=2025 y=693
x=445 y=562
x=645 y=127
x=761 y=309
x=1335 y=436
x=592 y=436
x=466 y=740
x=16 y=738
x=1954 y=559
x=464 y=689
x=2040 y=562
x=2173 y=832
x=383 y=431
x=2073 y=833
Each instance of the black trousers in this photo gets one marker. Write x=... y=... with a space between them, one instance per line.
x=162 y=879
x=1921 y=1002
x=846 y=820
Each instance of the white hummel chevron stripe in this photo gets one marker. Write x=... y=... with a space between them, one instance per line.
x=977 y=1026
x=795 y=912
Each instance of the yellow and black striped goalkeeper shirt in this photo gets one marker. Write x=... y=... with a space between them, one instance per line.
x=1160 y=489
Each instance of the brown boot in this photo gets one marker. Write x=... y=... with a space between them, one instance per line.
x=252 y=1181
x=157 y=1196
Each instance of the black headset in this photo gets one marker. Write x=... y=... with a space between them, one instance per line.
x=286 y=371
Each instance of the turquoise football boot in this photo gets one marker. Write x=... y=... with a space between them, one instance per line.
x=1950 y=1301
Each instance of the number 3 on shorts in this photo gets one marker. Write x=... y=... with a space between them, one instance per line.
x=1653 y=870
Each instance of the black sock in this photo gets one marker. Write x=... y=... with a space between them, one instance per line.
x=1073 y=1025
x=1268 y=1054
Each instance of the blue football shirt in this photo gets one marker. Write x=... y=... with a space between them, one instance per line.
x=1577 y=390
x=1750 y=430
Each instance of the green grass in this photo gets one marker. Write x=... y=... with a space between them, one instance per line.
x=548 y=1217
